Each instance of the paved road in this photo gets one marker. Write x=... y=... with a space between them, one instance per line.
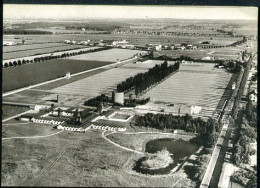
x=220 y=160
x=57 y=79
x=18 y=115
x=213 y=160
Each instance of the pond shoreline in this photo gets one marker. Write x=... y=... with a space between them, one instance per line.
x=171 y=167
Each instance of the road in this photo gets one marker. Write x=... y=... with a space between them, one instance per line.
x=76 y=74
x=214 y=157
x=220 y=160
x=15 y=116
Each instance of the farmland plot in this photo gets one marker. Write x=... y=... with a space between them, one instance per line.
x=22 y=76
x=31 y=46
x=109 y=55
x=194 y=84
x=32 y=52
x=104 y=82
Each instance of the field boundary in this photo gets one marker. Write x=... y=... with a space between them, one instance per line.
x=57 y=79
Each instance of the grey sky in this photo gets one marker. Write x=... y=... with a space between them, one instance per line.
x=92 y=11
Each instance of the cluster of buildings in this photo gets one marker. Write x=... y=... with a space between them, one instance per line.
x=77 y=42
x=252 y=82
x=79 y=120
x=50 y=116
x=9 y=43
x=182 y=46
x=166 y=33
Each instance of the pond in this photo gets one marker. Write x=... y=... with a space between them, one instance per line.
x=179 y=148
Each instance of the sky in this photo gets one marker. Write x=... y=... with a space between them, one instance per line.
x=106 y=11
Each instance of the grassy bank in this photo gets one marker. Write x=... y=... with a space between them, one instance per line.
x=9 y=110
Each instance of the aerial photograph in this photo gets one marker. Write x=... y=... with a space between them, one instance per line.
x=129 y=96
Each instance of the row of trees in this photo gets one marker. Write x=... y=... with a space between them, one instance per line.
x=25 y=32
x=143 y=81
x=239 y=42
x=244 y=135
x=127 y=31
x=245 y=178
x=247 y=66
x=205 y=129
x=169 y=121
x=50 y=57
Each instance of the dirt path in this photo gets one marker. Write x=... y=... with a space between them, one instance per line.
x=122 y=147
x=25 y=137
x=129 y=133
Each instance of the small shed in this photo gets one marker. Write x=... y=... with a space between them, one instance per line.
x=26 y=117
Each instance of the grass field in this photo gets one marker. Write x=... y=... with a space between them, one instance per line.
x=94 y=85
x=108 y=55
x=134 y=39
x=194 y=84
x=104 y=82
x=9 y=111
x=21 y=76
x=30 y=46
x=31 y=52
x=85 y=160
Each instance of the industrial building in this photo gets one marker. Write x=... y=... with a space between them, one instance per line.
x=118 y=97
x=191 y=110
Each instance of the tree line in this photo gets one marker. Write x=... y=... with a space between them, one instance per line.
x=49 y=57
x=25 y=32
x=186 y=123
x=143 y=81
x=244 y=134
x=206 y=129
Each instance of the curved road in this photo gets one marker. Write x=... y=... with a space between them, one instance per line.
x=128 y=149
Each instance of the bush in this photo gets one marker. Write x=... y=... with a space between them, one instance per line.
x=161 y=160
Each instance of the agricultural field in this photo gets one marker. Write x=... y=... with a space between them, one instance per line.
x=111 y=55
x=42 y=94
x=31 y=52
x=104 y=82
x=92 y=86
x=133 y=39
x=194 y=84
x=24 y=47
x=29 y=74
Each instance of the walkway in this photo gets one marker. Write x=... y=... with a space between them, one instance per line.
x=122 y=147
x=128 y=149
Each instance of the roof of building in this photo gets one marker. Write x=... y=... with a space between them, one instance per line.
x=29 y=115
